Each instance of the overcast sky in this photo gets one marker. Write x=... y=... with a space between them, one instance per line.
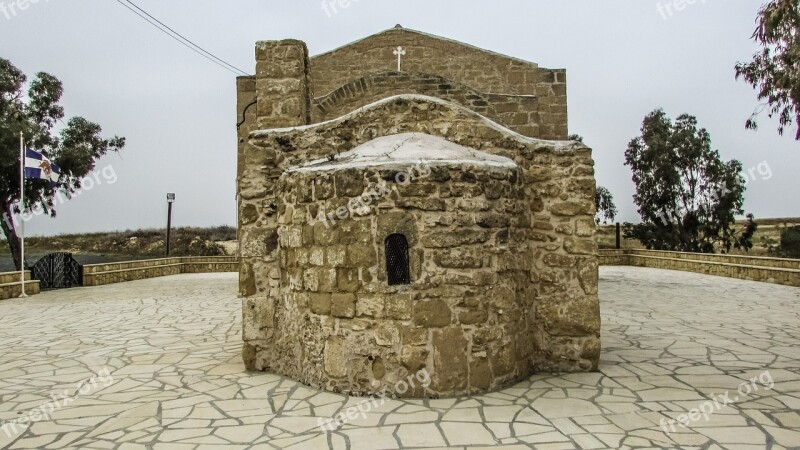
x=624 y=58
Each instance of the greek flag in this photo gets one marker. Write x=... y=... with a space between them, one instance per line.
x=38 y=167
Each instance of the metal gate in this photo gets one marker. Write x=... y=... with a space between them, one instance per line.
x=58 y=271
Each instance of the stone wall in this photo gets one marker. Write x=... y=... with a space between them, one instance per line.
x=11 y=285
x=102 y=274
x=517 y=112
x=481 y=70
x=768 y=270
x=468 y=313
x=550 y=271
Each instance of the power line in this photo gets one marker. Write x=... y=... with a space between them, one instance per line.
x=186 y=39
x=180 y=38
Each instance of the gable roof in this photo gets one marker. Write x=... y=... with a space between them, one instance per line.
x=400 y=29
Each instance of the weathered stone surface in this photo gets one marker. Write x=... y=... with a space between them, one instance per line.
x=335 y=357
x=361 y=256
x=473 y=317
x=348 y=280
x=489 y=247
x=432 y=314
x=455 y=239
x=570 y=316
x=258 y=318
x=320 y=303
x=249 y=354
x=398 y=223
x=503 y=359
x=588 y=275
x=423 y=204
x=398 y=306
x=584 y=227
x=480 y=375
x=449 y=360
x=387 y=335
x=457 y=259
x=370 y=306
x=580 y=246
x=414 y=358
x=556 y=260
x=414 y=336
x=343 y=305
x=572 y=208
x=378 y=369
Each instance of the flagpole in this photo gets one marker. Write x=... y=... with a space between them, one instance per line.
x=22 y=209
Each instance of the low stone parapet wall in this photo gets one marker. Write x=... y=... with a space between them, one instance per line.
x=614 y=258
x=11 y=285
x=102 y=274
x=767 y=270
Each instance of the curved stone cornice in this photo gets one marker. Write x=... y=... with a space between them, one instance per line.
x=416 y=113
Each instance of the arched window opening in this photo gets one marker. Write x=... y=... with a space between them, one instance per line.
x=397 y=262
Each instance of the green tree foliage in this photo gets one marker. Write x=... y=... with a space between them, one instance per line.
x=75 y=148
x=604 y=203
x=790 y=242
x=687 y=196
x=774 y=69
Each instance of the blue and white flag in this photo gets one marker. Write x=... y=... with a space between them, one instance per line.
x=38 y=167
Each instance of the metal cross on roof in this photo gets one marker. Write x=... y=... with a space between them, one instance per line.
x=400 y=52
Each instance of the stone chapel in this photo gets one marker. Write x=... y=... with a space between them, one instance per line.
x=410 y=205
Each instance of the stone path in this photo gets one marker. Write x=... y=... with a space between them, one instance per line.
x=155 y=364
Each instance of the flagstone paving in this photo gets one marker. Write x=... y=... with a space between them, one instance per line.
x=155 y=364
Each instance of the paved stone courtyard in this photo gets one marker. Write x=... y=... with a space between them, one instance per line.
x=155 y=364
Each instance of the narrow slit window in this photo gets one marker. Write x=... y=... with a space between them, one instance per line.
x=397 y=262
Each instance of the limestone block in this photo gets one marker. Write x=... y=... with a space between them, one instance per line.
x=556 y=260
x=580 y=246
x=335 y=357
x=449 y=360
x=387 y=334
x=414 y=358
x=343 y=305
x=361 y=256
x=369 y=306
x=563 y=316
x=320 y=303
x=450 y=239
x=584 y=227
x=502 y=359
x=572 y=208
x=588 y=275
x=348 y=280
x=432 y=314
x=458 y=259
x=258 y=318
x=473 y=317
x=398 y=306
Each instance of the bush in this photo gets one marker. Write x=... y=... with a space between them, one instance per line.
x=790 y=242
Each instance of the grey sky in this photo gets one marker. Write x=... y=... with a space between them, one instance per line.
x=177 y=110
